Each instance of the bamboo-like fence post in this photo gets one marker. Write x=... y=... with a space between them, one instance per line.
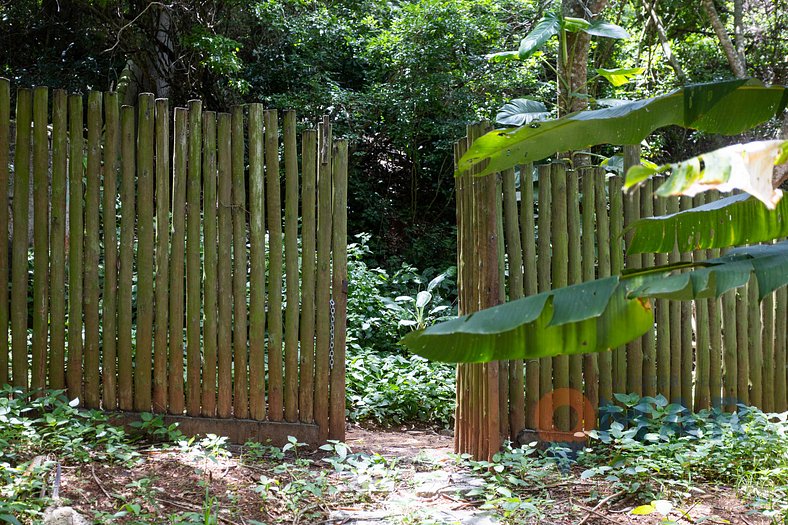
x=675 y=322
x=530 y=284
x=649 y=368
x=240 y=270
x=516 y=386
x=605 y=359
x=126 y=270
x=730 y=357
x=19 y=244
x=662 y=316
x=575 y=276
x=588 y=271
x=560 y=271
x=143 y=357
x=780 y=349
x=178 y=247
x=224 y=334
x=162 y=130
x=323 y=283
x=274 y=209
x=686 y=331
x=544 y=221
x=5 y=131
x=92 y=250
x=742 y=345
x=109 y=309
x=193 y=272
x=631 y=201
x=39 y=342
x=616 y=266
x=767 y=338
x=503 y=366
x=291 y=264
x=755 y=344
x=702 y=341
x=210 y=285
x=339 y=288
x=308 y=267
x=57 y=241
x=463 y=423
x=257 y=406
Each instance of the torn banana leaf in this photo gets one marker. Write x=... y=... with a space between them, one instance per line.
x=595 y=315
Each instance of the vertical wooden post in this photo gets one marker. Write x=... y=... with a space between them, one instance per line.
x=40 y=338
x=193 y=272
x=161 y=323
x=674 y=309
x=634 y=352
x=605 y=359
x=291 y=264
x=57 y=240
x=5 y=130
x=125 y=273
x=575 y=276
x=662 y=315
x=755 y=344
x=545 y=416
x=616 y=266
x=780 y=349
x=240 y=270
x=224 y=334
x=109 y=310
x=649 y=369
x=702 y=342
x=323 y=283
x=530 y=284
x=210 y=288
x=257 y=261
x=143 y=356
x=19 y=245
x=767 y=338
x=308 y=254
x=514 y=250
x=687 y=354
x=178 y=248
x=274 y=209
x=588 y=247
x=339 y=290
x=560 y=270
x=730 y=358
x=92 y=249
x=742 y=345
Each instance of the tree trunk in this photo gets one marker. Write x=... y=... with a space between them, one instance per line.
x=737 y=65
x=663 y=40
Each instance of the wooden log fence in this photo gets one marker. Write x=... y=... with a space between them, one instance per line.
x=561 y=226
x=166 y=272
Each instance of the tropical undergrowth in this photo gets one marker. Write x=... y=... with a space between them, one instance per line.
x=651 y=457
x=386 y=385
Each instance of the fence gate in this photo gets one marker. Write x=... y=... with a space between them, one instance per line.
x=564 y=227
x=165 y=275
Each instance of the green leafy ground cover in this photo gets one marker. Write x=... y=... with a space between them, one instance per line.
x=653 y=458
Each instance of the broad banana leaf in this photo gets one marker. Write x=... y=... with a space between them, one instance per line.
x=732 y=221
x=728 y=107
x=595 y=315
x=748 y=167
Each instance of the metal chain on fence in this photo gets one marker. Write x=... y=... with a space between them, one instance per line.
x=331 y=336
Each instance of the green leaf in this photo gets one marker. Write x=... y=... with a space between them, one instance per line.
x=595 y=315
x=521 y=111
x=730 y=107
x=8 y=518
x=620 y=76
x=423 y=298
x=606 y=29
x=731 y=221
x=747 y=167
x=573 y=25
x=503 y=56
x=544 y=30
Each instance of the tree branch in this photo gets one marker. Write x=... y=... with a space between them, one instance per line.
x=734 y=60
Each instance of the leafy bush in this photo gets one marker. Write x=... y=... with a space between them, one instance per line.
x=385 y=385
